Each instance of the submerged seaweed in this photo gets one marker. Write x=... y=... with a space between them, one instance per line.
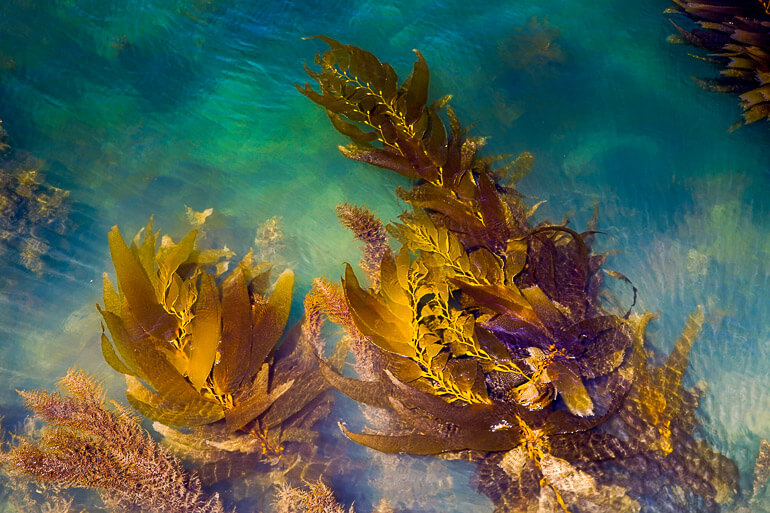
x=87 y=445
x=486 y=333
x=30 y=208
x=736 y=35
x=198 y=346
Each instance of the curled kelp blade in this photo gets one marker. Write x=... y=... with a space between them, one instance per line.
x=411 y=444
x=206 y=332
x=373 y=393
x=178 y=406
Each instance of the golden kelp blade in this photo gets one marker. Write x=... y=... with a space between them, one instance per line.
x=138 y=290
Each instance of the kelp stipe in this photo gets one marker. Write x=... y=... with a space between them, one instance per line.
x=486 y=334
x=198 y=346
x=86 y=445
x=735 y=33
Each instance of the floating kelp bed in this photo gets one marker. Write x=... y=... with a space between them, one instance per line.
x=737 y=36
x=481 y=336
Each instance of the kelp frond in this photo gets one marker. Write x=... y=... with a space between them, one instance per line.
x=734 y=32
x=489 y=332
x=86 y=445
x=198 y=348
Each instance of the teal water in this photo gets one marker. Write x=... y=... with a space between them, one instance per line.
x=153 y=106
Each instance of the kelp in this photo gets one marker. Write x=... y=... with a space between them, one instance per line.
x=735 y=33
x=485 y=333
x=87 y=445
x=198 y=346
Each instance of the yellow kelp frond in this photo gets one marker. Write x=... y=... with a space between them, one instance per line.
x=356 y=85
x=197 y=349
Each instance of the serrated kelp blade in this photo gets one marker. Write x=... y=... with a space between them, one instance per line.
x=187 y=410
x=590 y=446
x=386 y=159
x=599 y=343
x=677 y=361
x=500 y=299
x=269 y=320
x=145 y=249
x=307 y=385
x=374 y=319
x=416 y=88
x=253 y=405
x=329 y=102
x=493 y=213
x=366 y=392
x=139 y=291
x=206 y=332
x=350 y=130
x=137 y=353
x=469 y=417
x=111 y=357
x=442 y=200
x=235 y=350
x=548 y=314
x=411 y=444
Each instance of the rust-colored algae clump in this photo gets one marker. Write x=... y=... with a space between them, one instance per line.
x=84 y=444
x=485 y=333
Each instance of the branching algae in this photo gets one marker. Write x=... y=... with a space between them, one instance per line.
x=484 y=333
x=87 y=445
x=198 y=348
x=735 y=33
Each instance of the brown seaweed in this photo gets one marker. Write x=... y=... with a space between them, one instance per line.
x=199 y=350
x=484 y=333
x=86 y=445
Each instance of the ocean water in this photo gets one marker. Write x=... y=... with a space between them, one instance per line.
x=150 y=107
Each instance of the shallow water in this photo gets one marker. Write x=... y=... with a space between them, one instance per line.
x=146 y=108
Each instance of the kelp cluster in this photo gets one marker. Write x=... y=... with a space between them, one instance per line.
x=29 y=207
x=479 y=334
x=735 y=33
x=486 y=335
x=85 y=444
x=198 y=346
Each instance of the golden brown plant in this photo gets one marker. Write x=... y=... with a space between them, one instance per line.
x=487 y=333
x=86 y=445
x=199 y=348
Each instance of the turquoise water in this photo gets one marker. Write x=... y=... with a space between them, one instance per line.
x=150 y=107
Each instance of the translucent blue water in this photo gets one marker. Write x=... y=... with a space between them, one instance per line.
x=147 y=107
